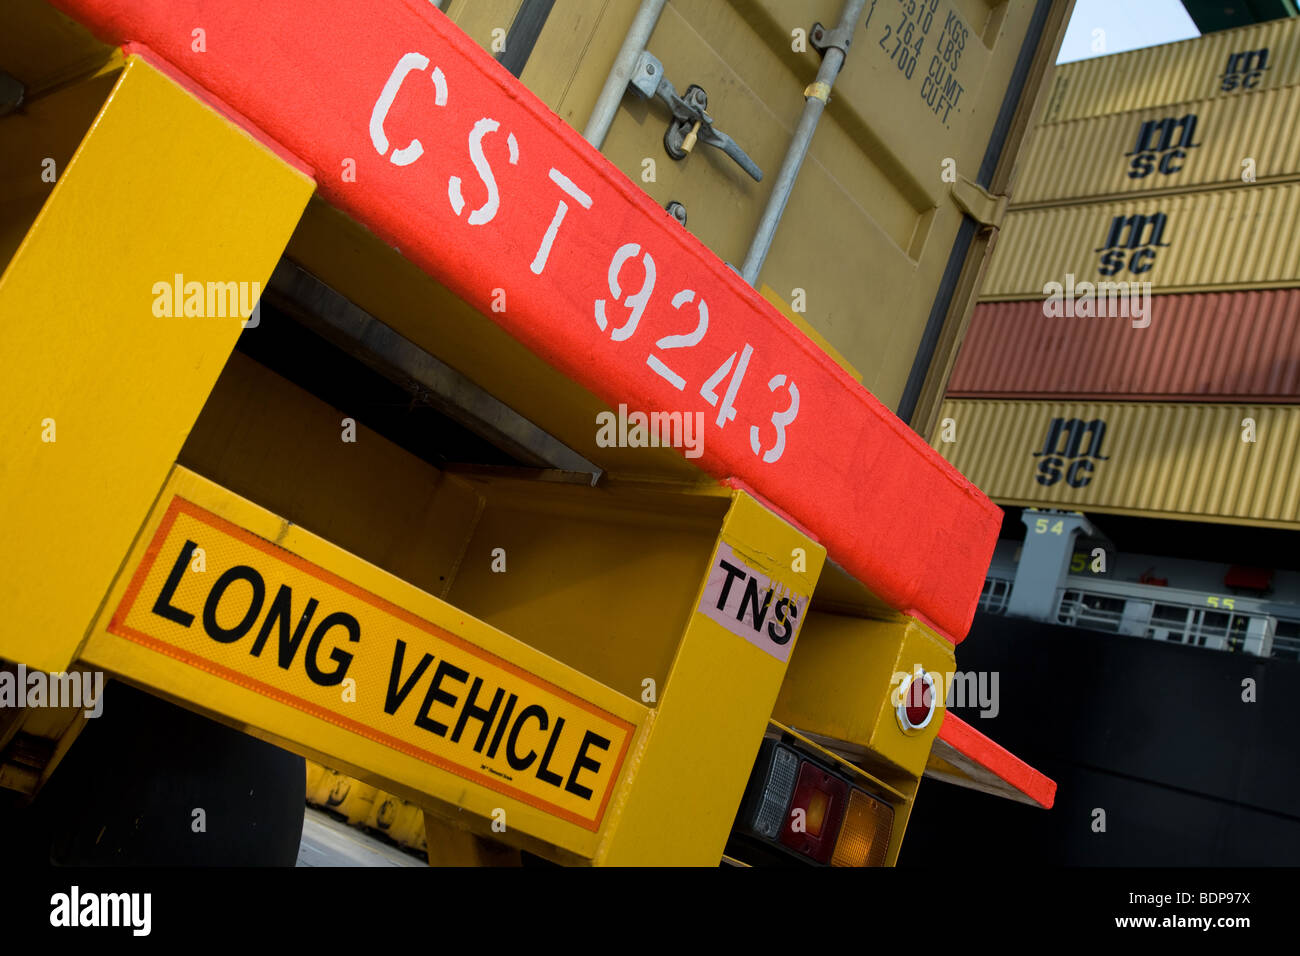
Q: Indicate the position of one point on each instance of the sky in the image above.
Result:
(1125, 25)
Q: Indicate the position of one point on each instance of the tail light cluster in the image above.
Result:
(800, 808)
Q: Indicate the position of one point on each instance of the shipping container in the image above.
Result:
(1228, 63)
(1223, 239)
(1217, 463)
(872, 220)
(1214, 346)
(1205, 143)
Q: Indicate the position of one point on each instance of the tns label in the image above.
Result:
(751, 605)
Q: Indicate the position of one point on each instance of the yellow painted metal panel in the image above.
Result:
(1196, 69)
(450, 846)
(275, 444)
(162, 186)
(1199, 144)
(601, 579)
(36, 144)
(42, 48)
(843, 680)
(194, 635)
(1222, 239)
(1162, 460)
(712, 714)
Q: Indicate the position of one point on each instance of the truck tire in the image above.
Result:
(148, 783)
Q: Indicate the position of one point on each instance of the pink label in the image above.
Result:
(751, 605)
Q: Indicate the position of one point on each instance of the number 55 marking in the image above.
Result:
(779, 421)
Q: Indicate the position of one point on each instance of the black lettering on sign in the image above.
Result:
(484, 715)
(163, 606)
(293, 614)
(496, 719)
(762, 611)
(512, 755)
(228, 635)
(501, 727)
(281, 607)
(437, 695)
(732, 573)
(783, 615)
(544, 773)
(396, 695)
(224, 600)
(750, 603)
(341, 658)
(583, 762)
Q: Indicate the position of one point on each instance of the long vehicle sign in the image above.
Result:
(454, 162)
(227, 604)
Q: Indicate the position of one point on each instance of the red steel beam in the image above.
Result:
(467, 173)
(1011, 775)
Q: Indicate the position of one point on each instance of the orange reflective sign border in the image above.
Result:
(216, 597)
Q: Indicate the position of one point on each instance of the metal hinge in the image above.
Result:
(690, 120)
(978, 203)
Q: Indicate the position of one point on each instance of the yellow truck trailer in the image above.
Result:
(503, 403)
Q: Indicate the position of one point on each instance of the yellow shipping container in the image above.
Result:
(1219, 463)
(1216, 240)
(1206, 143)
(1263, 56)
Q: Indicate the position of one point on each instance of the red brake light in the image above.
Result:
(813, 820)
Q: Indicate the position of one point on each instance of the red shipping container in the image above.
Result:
(1213, 346)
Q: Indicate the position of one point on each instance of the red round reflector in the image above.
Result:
(916, 709)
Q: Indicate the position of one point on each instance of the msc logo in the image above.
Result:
(1244, 70)
(1157, 147)
(1131, 243)
(1061, 455)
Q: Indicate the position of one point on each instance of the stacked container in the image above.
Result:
(1081, 386)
